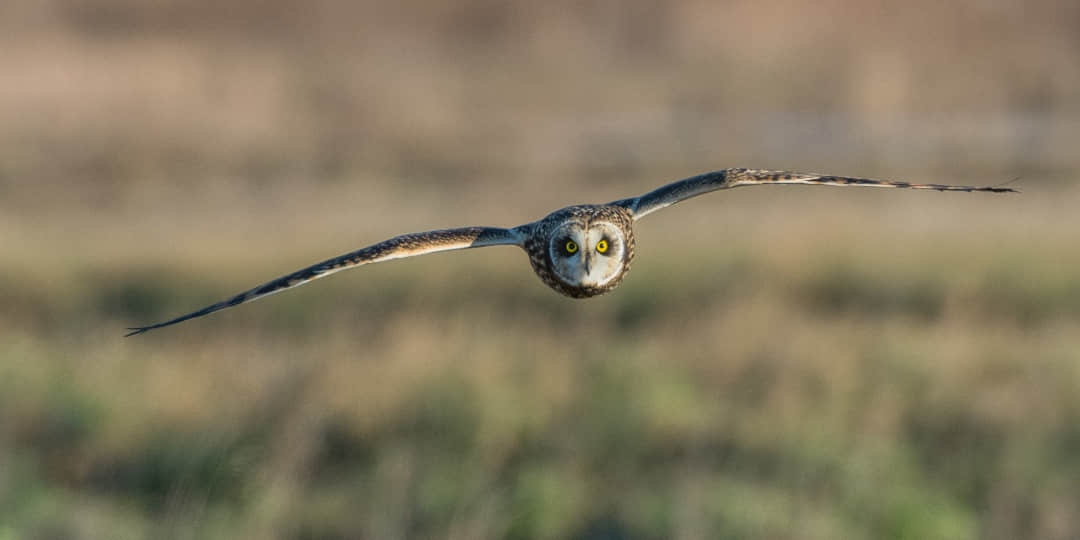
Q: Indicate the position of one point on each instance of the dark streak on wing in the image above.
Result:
(729, 178)
(406, 245)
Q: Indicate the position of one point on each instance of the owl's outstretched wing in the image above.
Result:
(407, 245)
(729, 178)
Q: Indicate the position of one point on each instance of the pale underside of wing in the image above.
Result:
(729, 178)
(408, 245)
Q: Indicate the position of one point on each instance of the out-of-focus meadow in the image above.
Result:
(787, 362)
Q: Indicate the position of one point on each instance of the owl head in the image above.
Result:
(585, 251)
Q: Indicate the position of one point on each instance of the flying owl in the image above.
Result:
(580, 251)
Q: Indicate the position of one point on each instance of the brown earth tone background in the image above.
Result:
(790, 362)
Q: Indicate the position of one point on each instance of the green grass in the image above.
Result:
(738, 396)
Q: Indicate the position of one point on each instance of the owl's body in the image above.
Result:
(588, 271)
(580, 251)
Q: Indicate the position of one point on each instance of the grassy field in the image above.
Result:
(781, 362)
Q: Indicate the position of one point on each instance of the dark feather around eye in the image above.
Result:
(606, 243)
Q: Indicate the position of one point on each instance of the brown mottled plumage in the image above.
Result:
(580, 251)
(537, 240)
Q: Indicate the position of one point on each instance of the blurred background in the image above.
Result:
(792, 362)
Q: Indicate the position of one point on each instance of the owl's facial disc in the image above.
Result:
(590, 257)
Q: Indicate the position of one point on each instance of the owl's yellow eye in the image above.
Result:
(571, 246)
(602, 246)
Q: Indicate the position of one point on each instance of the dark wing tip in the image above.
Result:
(138, 330)
(944, 187)
(996, 190)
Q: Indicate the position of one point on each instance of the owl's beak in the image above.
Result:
(587, 263)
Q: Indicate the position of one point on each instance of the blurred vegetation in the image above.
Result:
(780, 363)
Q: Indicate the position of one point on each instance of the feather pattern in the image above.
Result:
(406, 245)
(729, 178)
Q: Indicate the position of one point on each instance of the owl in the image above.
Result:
(579, 251)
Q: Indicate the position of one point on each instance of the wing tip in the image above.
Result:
(136, 330)
(992, 189)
